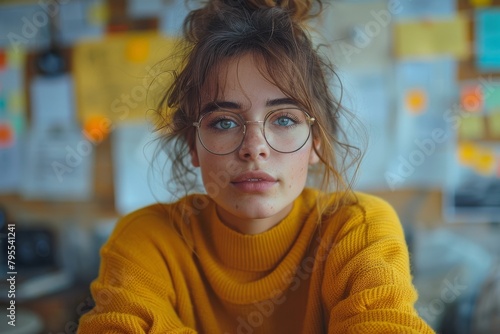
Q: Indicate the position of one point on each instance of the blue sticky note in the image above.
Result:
(488, 39)
(492, 96)
(425, 9)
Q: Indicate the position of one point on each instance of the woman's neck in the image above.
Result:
(252, 226)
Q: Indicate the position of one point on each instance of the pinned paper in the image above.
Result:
(494, 124)
(416, 101)
(472, 98)
(424, 8)
(114, 79)
(97, 13)
(359, 33)
(488, 39)
(480, 158)
(16, 57)
(3, 104)
(137, 50)
(16, 101)
(47, 111)
(472, 127)
(430, 38)
(481, 3)
(492, 97)
(485, 162)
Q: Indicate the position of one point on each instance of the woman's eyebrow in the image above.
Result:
(214, 105)
(281, 101)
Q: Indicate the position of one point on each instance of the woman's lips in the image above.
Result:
(254, 181)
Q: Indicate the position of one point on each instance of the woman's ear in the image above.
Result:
(313, 156)
(194, 157)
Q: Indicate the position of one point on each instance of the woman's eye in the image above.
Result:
(284, 121)
(225, 124)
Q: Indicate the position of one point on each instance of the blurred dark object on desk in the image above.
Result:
(33, 249)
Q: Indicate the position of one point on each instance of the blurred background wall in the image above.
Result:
(79, 81)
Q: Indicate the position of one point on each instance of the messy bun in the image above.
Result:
(198, 21)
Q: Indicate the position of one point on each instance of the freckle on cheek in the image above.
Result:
(236, 206)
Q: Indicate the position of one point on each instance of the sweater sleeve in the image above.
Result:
(133, 292)
(367, 287)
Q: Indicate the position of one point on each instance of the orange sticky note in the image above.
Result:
(472, 98)
(97, 128)
(137, 50)
(416, 101)
(3, 60)
(6, 135)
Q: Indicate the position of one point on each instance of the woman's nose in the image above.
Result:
(254, 144)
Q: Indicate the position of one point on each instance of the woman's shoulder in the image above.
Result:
(359, 204)
(363, 214)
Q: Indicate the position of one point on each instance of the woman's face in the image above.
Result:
(253, 187)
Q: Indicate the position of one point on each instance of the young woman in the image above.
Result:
(260, 252)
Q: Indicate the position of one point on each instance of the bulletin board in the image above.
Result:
(472, 193)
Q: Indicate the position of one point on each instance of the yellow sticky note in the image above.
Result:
(481, 3)
(472, 127)
(137, 50)
(494, 124)
(416, 101)
(111, 80)
(434, 37)
(466, 153)
(16, 57)
(16, 102)
(485, 162)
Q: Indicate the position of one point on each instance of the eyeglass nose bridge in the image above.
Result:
(252, 122)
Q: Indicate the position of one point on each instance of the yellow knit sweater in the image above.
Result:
(162, 273)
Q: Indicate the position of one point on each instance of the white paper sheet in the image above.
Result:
(369, 96)
(424, 138)
(135, 185)
(58, 165)
(52, 102)
(359, 34)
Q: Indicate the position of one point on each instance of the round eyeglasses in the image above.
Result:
(286, 130)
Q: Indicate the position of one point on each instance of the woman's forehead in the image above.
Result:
(244, 77)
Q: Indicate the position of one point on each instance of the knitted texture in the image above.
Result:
(163, 271)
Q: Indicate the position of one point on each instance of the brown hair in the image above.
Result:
(274, 31)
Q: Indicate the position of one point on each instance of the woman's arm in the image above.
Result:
(134, 292)
(130, 300)
(367, 287)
